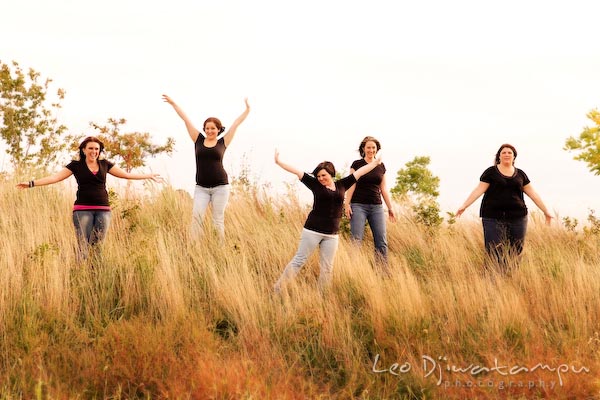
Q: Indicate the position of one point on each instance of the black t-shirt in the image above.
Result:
(327, 206)
(504, 198)
(91, 189)
(368, 188)
(209, 163)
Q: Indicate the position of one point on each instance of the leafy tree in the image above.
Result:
(29, 126)
(427, 212)
(130, 149)
(416, 179)
(588, 143)
(416, 185)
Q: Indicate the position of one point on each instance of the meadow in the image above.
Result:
(159, 315)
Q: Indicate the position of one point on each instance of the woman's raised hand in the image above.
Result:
(167, 99)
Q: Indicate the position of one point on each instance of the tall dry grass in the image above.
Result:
(162, 315)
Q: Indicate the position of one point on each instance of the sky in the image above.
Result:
(448, 80)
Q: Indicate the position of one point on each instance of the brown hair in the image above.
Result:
(89, 139)
(510, 146)
(361, 148)
(327, 166)
(215, 121)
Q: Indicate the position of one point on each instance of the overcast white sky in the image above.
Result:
(451, 80)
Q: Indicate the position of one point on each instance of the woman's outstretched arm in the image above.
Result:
(228, 137)
(120, 173)
(192, 131)
(48, 180)
(533, 195)
(475, 194)
(287, 167)
(365, 169)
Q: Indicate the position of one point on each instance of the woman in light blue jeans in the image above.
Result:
(309, 241)
(218, 197)
(212, 183)
(323, 222)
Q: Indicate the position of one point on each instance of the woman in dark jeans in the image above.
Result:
(91, 211)
(363, 201)
(503, 211)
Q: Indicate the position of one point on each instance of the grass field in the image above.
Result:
(162, 316)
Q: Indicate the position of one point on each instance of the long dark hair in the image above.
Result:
(510, 146)
(87, 140)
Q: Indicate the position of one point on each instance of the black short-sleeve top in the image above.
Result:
(504, 197)
(209, 163)
(368, 188)
(326, 213)
(91, 188)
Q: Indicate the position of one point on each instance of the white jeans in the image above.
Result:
(217, 196)
(309, 241)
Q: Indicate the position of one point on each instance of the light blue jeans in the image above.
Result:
(218, 197)
(374, 214)
(90, 227)
(309, 241)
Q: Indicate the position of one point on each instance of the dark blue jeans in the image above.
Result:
(504, 239)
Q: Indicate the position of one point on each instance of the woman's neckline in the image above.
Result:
(505, 175)
(209, 147)
(91, 168)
